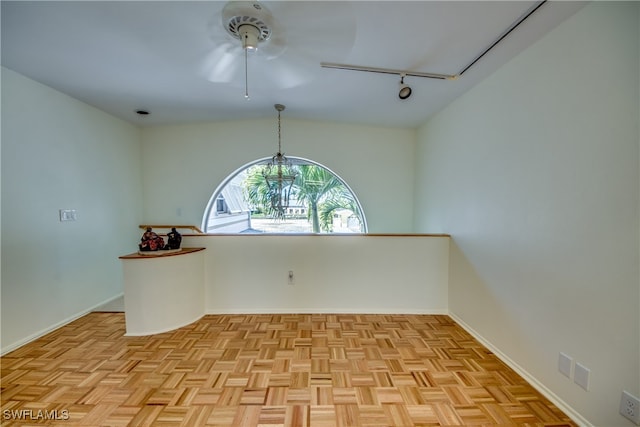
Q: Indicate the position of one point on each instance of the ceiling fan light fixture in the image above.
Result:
(250, 36)
(405, 90)
(237, 14)
(251, 23)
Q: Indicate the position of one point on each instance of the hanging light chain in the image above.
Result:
(279, 181)
(279, 134)
(246, 72)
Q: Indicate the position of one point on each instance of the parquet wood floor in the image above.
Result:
(315, 370)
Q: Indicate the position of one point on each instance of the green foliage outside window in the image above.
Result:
(317, 189)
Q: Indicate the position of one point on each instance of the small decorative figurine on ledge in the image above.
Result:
(150, 241)
(174, 239)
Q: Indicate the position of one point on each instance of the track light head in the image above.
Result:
(405, 90)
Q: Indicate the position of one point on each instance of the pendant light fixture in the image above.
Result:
(279, 175)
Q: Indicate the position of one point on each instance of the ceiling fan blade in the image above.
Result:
(302, 34)
(275, 46)
(223, 63)
(317, 27)
(286, 74)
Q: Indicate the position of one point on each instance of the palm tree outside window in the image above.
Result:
(321, 202)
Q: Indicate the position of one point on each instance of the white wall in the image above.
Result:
(184, 164)
(59, 153)
(332, 274)
(535, 175)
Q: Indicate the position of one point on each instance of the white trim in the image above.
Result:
(329, 311)
(43, 332)
(163, 330)
(562, 405)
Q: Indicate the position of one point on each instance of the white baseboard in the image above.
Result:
(113, 305)
(563, 406)
(52, 328)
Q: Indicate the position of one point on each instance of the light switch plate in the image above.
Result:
(68, 215)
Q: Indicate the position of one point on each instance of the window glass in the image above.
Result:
(316, 200)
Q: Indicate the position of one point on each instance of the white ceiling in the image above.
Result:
(156, 55)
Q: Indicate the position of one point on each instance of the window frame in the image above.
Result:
(212, 203)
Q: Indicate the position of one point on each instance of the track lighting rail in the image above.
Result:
(504, 34)
(434, 75)
(388, 71)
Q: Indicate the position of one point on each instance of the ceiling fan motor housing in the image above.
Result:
(247, 21)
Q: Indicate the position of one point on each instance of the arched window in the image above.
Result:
(320, 202)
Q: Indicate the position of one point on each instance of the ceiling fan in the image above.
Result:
(287, 40)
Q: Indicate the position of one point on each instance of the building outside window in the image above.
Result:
(320, 202)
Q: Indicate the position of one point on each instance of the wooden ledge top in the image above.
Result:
(160, 254)
(317, 235)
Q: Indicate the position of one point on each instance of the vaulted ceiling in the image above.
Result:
(175, 59)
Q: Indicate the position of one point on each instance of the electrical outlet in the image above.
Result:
(564, 364)
(581, 376)
(630, 407)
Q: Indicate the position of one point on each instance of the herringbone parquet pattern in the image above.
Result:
(268, 370)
